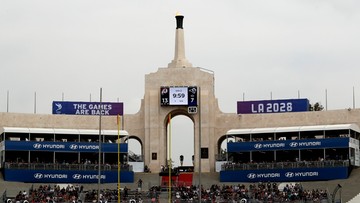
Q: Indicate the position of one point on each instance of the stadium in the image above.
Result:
(81, 149)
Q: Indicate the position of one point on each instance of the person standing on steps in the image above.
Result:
(140, 184)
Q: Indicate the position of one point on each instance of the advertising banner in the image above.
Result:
(284, 175)
(272, 106)
(88, 108)
(64, 146)
(64, 176)
(288, 144)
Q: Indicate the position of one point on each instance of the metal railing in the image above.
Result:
(4, 197)
(56, 166)
(284, 165)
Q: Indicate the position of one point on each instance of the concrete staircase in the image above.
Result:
(349, 187)
(356, 199)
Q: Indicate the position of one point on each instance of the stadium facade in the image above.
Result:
(149, 127)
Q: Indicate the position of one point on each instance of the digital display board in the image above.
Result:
(87, 108)
(272, 106)
(178, 96)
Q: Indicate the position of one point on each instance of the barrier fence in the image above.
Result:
(56, 166)
(285, 165)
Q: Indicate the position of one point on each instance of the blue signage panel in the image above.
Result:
(62, 176)
(88, 108)
(284, 175)
(288, 145)
(64, 146)
(272, 106)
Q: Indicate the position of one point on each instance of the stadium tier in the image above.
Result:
(286, 154)
(64, 155)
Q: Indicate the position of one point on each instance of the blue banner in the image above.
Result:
(64, 146)
(272, 106)
(284, 175)
(288, 145)
(88, 108)
(62, 176)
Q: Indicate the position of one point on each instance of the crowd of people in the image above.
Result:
(48, 194)
(261, 192)
(253, 193)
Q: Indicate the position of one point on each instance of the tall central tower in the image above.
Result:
(179, 60)
(178, 73)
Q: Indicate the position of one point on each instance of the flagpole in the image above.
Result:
(99, 158)
(7, 102)
(169, 161)
(119, 165)
(199, 111)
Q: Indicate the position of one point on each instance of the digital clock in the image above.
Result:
(178, 96)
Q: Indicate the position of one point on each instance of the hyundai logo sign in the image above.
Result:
(258, 146)
(293, 144)
(289, 174)
(38, 175)
(251, 175)
(77, 176)
(37, 146)
(74, 146)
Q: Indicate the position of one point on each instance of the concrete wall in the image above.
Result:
(150, 124)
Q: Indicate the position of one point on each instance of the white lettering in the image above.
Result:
(261, 108)
(93, 176)
(97, 112)
(53, 146)
(82, 112)
(88, 147)
(282, 107)
(79, 106)
(252, 109)
(309, 144)
(306, 174)
(268, 175)
(107, 107)
(276, 107)
(273, 145)
(55, 176)
(268, 108)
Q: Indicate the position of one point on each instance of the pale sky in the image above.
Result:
(256, 48)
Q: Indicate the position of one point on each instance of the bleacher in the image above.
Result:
(348, 191)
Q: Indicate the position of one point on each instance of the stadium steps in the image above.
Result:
(356, 199)
(13, 188)
(149, 180)
(350, 187)
(207, 179)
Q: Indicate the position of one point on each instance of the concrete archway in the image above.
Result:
(182, 139)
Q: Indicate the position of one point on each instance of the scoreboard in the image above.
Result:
(178, 96)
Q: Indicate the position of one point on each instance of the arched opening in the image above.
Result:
(135, 149)
(222, 153)
(181, 134)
